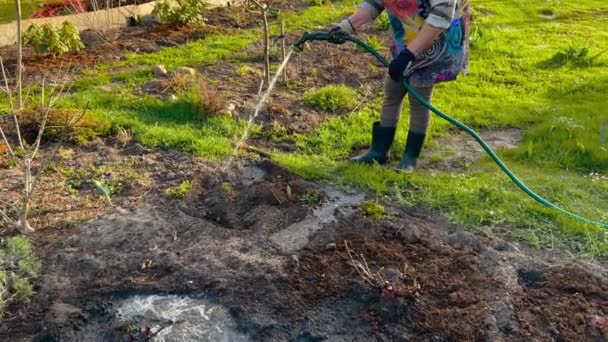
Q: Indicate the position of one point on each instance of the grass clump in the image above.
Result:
(331, 98)
(373, 210)
(19, 268)
(179, 191)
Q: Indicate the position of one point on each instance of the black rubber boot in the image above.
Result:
(382, 139)
(414, 144)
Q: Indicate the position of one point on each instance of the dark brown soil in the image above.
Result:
(441, 283)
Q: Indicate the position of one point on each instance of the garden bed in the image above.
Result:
(221, 250)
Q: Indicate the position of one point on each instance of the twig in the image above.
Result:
(367, 93)
(284, 49)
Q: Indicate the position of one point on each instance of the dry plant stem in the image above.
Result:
(362, 270)
(249, 148)
(29, 154)
(99, 17)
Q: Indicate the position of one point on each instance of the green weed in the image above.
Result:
(375, 43)
(383, 23)
(19, 268)
(372, 209)
(312, 198)
(179, 191)
(573, 56)
(183, 12)
(228, 190)
(331, 98)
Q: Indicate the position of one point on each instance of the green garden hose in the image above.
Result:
(341, 37)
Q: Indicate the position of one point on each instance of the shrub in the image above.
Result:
(19, 268)
(81, 128)
(183, 13)
(319, 2)
(210, 101)
(331, 98)
(48, 39)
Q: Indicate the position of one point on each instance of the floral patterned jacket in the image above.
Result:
(449, 55)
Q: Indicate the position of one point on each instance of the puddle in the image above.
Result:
(296, 236)
(180, 318)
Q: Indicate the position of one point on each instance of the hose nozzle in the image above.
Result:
(298, 46)
(335, 38)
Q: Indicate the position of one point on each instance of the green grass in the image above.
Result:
(524, 73)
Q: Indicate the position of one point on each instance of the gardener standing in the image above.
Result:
(430, 45)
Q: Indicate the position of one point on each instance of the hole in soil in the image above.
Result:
(177, 318)
(530, 277)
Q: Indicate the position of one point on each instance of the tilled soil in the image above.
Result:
(411, 277)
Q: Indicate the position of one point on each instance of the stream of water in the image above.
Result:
(257, 111)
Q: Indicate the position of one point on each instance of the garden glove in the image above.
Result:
(400, 64)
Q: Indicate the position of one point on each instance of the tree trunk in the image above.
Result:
(266, 47)
(27, 195)
(19, 56)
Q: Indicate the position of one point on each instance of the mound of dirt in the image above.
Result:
(215, 266)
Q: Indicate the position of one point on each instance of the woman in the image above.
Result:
(430, 45)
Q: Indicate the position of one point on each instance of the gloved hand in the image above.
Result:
(333, 35)
(398, 65)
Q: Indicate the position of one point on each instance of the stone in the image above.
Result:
(160, 71)
(409, 234)
(136, 149)
(330, 246)
(294, 261)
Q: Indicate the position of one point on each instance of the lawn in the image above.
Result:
(7, 9)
